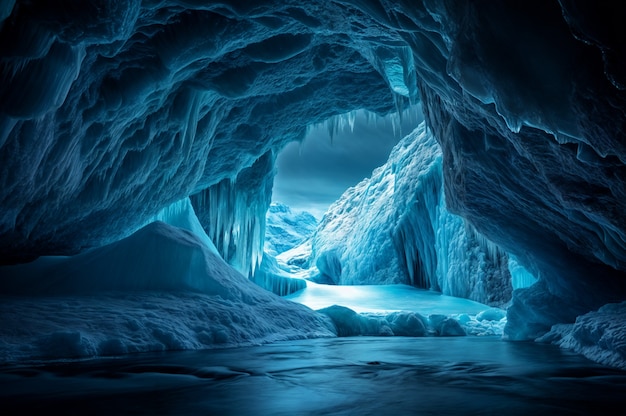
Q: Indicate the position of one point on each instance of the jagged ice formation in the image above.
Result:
(394, 228)
(286, 229)
(233, 214)
(111, 111)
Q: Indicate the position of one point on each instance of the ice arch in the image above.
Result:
(110, 111)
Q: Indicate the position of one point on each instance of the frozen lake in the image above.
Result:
(341, 376)
(384, 299)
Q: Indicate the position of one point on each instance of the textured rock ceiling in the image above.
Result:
(111, 110)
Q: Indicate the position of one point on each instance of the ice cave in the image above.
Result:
(478, 266)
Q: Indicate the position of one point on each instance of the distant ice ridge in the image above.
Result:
(394, 228)
(286, 229)
(599, 335)
(158, 289)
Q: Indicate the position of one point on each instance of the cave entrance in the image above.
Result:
(385, 255)
(313, 174)
(336, 155)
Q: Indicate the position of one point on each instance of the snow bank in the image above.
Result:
(159, 289)
(62, 327)
(599, 336)
(349, 323)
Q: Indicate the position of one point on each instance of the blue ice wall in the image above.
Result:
(394, 228)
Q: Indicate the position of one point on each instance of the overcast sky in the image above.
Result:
(313, 174)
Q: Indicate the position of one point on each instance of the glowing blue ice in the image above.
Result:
(394, 228)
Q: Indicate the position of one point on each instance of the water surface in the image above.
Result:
(341, 376)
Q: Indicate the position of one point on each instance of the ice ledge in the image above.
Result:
(599, 335)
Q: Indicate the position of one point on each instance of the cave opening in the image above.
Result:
(335, 155)
(395, 205)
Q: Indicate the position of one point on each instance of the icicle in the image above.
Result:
(233, 214)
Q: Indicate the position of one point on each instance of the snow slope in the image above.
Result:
(158, 289)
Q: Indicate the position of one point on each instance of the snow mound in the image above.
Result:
(599, 335)
(348, 323)
(156, 257)
(158, 289)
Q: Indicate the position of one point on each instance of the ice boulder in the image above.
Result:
(410, 324)
(491, 314)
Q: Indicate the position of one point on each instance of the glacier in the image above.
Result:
(112, 111)
(286, 229)
(394, 228)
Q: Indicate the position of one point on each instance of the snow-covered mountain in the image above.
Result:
(286, 229)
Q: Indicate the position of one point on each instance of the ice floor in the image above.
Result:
(384, 299)
(338, 376)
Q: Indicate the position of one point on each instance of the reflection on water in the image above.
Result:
(342, 376)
